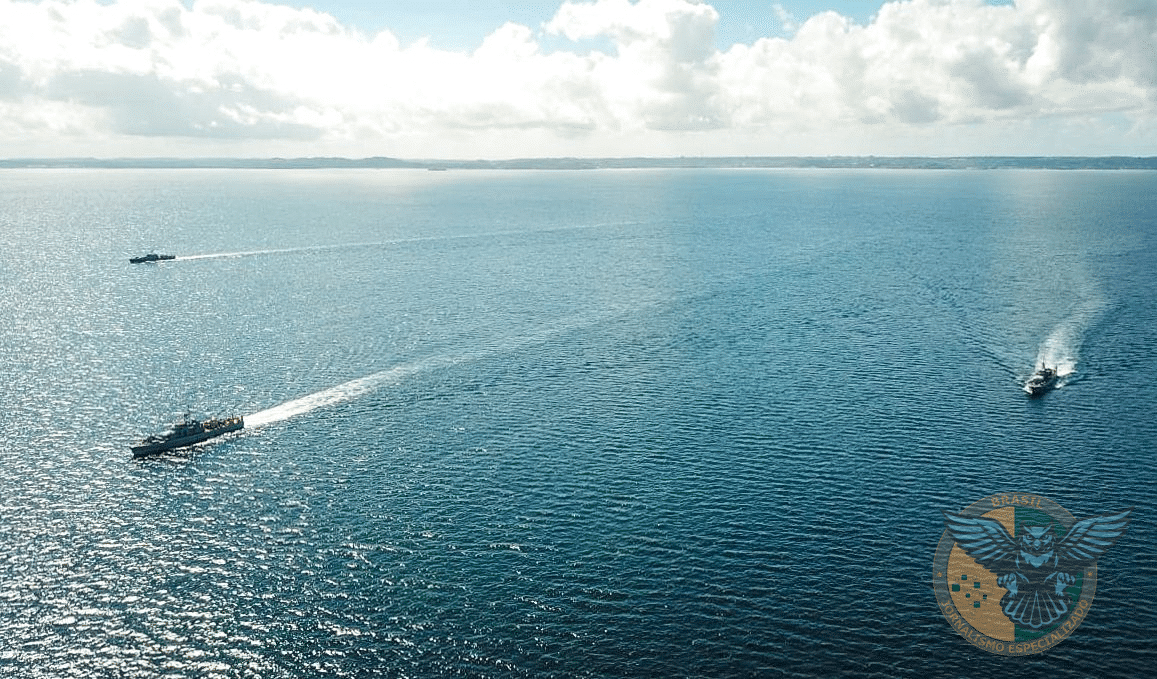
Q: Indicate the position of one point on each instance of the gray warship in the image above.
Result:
(186, 433)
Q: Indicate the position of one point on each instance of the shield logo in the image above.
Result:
(1015, 573)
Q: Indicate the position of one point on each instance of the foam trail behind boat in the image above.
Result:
(254, 253)
(399, 241)
(1063, 345)
(342, 392)
(364, 385)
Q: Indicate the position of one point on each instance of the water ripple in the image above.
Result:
(697, 424)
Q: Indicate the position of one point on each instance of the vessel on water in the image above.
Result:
(186, 433)
(151, 257)
(1042, 380)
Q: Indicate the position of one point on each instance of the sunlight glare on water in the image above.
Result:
(558, 424)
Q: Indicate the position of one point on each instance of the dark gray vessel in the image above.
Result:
(152, 257)
(1041, 381)
(186, 433)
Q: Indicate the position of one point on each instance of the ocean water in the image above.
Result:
(613, 423)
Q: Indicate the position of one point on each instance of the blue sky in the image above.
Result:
(457, 79)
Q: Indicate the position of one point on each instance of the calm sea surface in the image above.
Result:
(695, 423)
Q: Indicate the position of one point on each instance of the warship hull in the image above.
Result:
(187, 433)
(151, 258)
(1041, 381)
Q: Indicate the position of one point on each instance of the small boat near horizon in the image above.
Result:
(1042, 380)
(151, 257)
(187, 432)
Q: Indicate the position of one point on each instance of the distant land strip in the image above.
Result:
(731, 162)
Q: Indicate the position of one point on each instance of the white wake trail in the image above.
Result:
(397, 241)
(1062, 348)
(278, 251)
(364, 385)
(342, 392)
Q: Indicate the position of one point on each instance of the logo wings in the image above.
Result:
(1035, 569)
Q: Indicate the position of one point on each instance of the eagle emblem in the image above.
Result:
(1036, 566)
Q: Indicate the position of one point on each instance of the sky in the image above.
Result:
(467, 79)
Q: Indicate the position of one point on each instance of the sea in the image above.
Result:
(578, 423)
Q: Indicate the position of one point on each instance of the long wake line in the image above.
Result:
(361, 386)
(253, 253)
(342, 392)
(1062, 347)
(400, 241)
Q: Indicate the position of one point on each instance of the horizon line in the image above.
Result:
(608, 162)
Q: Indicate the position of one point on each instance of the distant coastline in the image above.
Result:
(728, 162)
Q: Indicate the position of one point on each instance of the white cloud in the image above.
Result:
(926, 76)
(664, 74)
(786, 19)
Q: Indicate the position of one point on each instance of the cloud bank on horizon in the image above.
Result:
(600, 78)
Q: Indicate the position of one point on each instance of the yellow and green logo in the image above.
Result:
(1015, 573)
